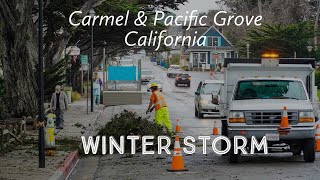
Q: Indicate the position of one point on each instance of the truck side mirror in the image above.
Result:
(215, 99)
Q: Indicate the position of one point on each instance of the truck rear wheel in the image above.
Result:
(309, 153)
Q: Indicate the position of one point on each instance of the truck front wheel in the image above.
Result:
(233, 158)
(224, 132)
(309, 153)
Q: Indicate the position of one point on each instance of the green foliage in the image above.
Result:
(75, 96)
(175, 59)
(129, 123)
(283, 39)
(317, 79)
(56, 17)
(186, 68)
(53, 75)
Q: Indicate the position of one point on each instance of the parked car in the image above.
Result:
(126, 62)
(183, 79)
(203, 97)
(146, 75)
(173, 70)
(159, 83)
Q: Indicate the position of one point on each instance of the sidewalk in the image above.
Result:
(22, 161)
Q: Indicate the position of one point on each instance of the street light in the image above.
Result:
(215, 59)
(92, 14)
(248, 46)
(309, 49)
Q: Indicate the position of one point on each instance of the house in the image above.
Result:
(216, 48)
(196, 30)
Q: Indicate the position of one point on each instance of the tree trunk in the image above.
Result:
(18, 53)
(316, 25)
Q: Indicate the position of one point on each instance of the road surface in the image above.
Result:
(201, 166)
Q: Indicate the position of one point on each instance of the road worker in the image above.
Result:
(162, 114)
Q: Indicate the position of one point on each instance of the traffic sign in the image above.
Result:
(85, 67)
(84, 59)
(73, 51)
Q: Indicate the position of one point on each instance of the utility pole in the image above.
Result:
(248, 50)
(41, 89)
(104, 65)
(215, 59)
(92, 13)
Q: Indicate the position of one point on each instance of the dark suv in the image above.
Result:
(183, 79)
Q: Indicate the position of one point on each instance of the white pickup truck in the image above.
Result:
(254, 95)
(173, 70)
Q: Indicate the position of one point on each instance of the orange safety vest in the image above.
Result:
(159, 102)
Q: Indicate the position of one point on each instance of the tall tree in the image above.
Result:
(283, 39)
(18, 46)
(18, 54)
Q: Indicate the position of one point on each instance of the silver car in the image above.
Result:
(203, 97)
(146, 75)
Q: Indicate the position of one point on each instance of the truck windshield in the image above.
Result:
(270, 89)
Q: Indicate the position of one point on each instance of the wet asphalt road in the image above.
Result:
(180, 101)
(201, 166)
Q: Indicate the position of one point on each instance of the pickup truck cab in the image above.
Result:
(254, 96)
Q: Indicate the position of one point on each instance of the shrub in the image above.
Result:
(129, 123)
(317, 79)
(75, 96)
(186, 68)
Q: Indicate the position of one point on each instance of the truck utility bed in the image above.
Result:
(311, 61)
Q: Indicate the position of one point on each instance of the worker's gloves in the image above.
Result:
(150, 110)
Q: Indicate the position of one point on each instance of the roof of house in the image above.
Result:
(213, 31)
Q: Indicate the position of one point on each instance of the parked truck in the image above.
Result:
(254, 95)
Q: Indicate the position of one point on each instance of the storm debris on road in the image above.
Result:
(129, 123)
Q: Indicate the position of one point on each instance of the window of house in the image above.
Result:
(212, 41)
(195, 58)
(203, 58)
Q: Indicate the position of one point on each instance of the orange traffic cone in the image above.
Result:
(211, 72)
(215, 130)
(317, 135)
(177, 159)
(178, 128)
(284, 127)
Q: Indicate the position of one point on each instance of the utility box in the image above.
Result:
(113, 98)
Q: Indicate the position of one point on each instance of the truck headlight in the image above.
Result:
(306, 116)
(236, 117)
(204, 101)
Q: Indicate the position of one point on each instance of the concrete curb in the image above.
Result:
(67, 167)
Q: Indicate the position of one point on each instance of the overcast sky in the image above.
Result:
(200, 5)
